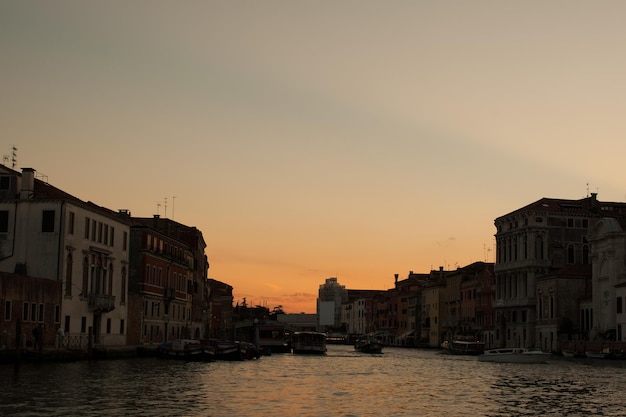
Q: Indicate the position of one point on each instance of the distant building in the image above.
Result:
(221, 308)
(331, 296)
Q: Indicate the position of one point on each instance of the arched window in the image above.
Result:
(68, 275)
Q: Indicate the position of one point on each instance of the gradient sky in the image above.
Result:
(316, 139)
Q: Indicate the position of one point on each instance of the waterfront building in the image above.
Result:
(49, 234)
(30, 305)
(159, 299)
(559, 295)
(484, 304)
(608, 254)
(434, 311)
(221, 308)
(409, 296)
(532, 242)
(196, 281)
(331, 295)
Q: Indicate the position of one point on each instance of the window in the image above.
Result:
(5, 182)
(108, 326)
(4, 221)
(33, 312)
(112, 236)
(570, 254)
(124, 240)
(110, 289)
(105, 237)
(57, 313)
(100, 227)
(85, 276)
(619, 305)
(66, 327)
(93, 230)
(40, 318)
(68, 276)
(70, 223)
(47, 221)
(123, 293)
(25, 312)
(122, 326)
(7, 310)
(83, 324)
(87, 222)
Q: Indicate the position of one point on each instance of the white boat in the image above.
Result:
(514, 355)
(463, 345)
(308, 342)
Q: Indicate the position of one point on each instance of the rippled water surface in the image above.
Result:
(400, 382)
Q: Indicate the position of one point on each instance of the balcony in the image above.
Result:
(169, 294)
(101, 303)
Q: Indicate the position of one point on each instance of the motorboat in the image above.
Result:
(464, 345)
(308, 342)
(185, 349)
(515, 355)
(368, 344)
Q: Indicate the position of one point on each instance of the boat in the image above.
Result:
(272, 339)
(368, 344)
(464, 345)
(185, 349)
(514, 355)
(227, 350)
(308, 342)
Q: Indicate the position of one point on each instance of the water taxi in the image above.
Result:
(515, 355)
(308, 342)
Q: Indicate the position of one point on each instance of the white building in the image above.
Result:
(331, 296)
(47, 233)
(608, 254)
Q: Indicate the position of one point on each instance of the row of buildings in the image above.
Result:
(76, 273)
(559, 276)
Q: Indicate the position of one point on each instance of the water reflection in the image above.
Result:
(343, 383)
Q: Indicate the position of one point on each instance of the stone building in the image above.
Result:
(47, 233)
(532, 242)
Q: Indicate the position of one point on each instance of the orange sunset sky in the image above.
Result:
(316, 139)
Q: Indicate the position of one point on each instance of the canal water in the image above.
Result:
(399, 382)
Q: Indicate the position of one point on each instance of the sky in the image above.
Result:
(317, 139)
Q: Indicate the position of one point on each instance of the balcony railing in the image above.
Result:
(102, 303)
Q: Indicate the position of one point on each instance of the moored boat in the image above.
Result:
(226, 350)
(185, 349)
(514, 355)
(462, 345)
(308, 342)
(368, 344)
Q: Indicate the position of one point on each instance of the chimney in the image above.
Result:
(28, 183)
(395, 276)
(156, 221)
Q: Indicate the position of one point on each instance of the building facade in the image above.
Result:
(531, 242)
(50, 234)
